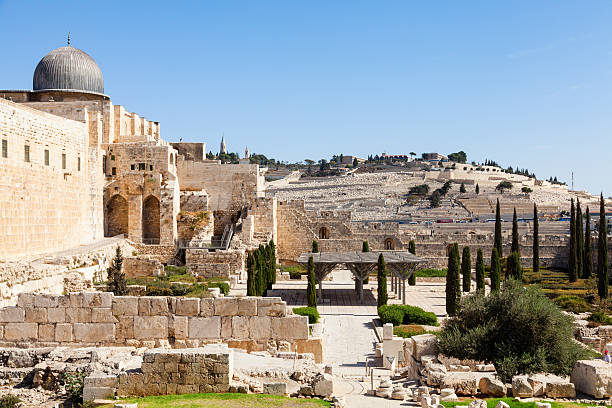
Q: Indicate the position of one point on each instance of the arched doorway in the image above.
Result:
(389, 244)
(323, 233)
(150, 220)
(116, 216)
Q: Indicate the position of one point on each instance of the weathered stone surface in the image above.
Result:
(46, 332)
(323, 385)
(502, 404)
(150, 327)
(226, 306)
(240, 327)
(491, 387)
(290, 327)
(278, 388)
(462, 383)
(20, 331)
(36, 315)
(125, 305)
(388, 331)
(94, 332)
(179, 327)
(226, 327)
(188, 306)
(46, 301)
(593, 377)
(207, 307)
(96, 299)
(478, 404)
(521, 387)
(78, 315)
(63, 332)
(560, 390)
(247, 306)
(435, 373)
(260, 328)
(12, 315)
(56, 315)
(273, 307)
(102, 315)
(424, 344)
(205, 327)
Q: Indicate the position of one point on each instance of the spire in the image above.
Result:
(69, 38)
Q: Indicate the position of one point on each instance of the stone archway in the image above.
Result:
(323, 233)
(150, 220)
(389, 244)
(116, 215)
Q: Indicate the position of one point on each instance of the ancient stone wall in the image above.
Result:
(99, 318)
(191, 151)
(218, 264)
(44, 188)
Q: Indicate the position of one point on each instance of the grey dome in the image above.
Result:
(68, 68)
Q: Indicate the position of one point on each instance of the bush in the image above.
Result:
(518, 329)
(572, 303)
(74, 385)
(408, 330)
(9, 401)
(198, 290)
(600, 317)
(311, 312)
(224, 286)
(430, 273)
(158, 291)
(406, 314)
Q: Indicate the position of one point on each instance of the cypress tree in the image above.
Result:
(497, 243)
(514, 269)
(315, 246)
(117, 282)
(477, 189)
(311, 290)
(453, 287)
(462, 188)
(602, 253)
(382, 281)
(495, 271)
(412, 250)
(272, 260)
(466, 269)
(515, 234)
(365, 247)
(251, 287)
(579, 239)
(259, 272)
(587, 258)
(536, 240)
(480, 272)
(571, 262)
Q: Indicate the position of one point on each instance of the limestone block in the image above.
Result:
(97, 299)
(188, 307)
(56, 315)
(124, 329)
(12, 315)
(260, 328)
(36, 315)
(25, 300)
(240, 327)
(125, 305)
(76, 299)
(593, 377)
(94, 393)
(45, 301)
(179, 327)
(226, 327)
(435, 374)
(462, 383)
(323, 385)
(247, 306)
(278, 388)
(502, 404)
(102, 315)
(205, 327)
(21, 331)
(150, 327)
(424, 344)
(558, 389)
(491, 387)
(290, 327)
(226, 306)
(99, 379)
(207, 307)
(478, 404)
(63, 332)
(388, 331)
(273, 307)
(94, 332)
(46, 332)
(521, 387)
(78, 315)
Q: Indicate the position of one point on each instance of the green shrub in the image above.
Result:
(410, 330)
(175, 270)
(158, 291)
(311, 312)
(74, 384)
(571, 303)
(518, 329)
(9, 401)
(391, 314)
(600, 317)
(186, 278)
(179, 290)
(224, 286)
(430, 273)
(198, 290)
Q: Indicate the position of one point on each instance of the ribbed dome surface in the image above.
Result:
(68, 68)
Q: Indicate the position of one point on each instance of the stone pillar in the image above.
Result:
(404, 291)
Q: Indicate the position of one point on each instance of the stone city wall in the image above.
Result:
(218, 264)
(137, 266)
(44, 207)
(101, 319)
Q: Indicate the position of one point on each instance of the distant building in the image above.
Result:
(434, 157)
(396, 157)
(223, 147)
(351, 159)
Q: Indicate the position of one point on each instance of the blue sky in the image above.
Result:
(524, 83)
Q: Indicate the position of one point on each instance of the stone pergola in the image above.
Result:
(401, 264)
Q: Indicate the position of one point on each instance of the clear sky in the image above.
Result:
(525, 83)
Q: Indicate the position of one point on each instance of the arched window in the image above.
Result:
(389, 244)
(323, 233)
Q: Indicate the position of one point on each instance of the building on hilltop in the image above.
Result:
(222, 147)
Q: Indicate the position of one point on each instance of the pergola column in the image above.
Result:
(321, 271)
(360, 271)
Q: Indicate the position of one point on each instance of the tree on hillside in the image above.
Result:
(434, 199)
(536, 240)
(459, 157)
(462, 188)
(571, 261)
(412, 250)
(480, 272)
(503, 185)
(477, 189)
(311, 290)
(116, 276)
(526, 190)
(382, 281)
(315, 246)
(602, 252)
(495, 271)
(579, 239)
(497, 242)
(466, 269)
(515, 234)
(355, 163)
(453, 286)
(514, 269)
(421, 190)
(587, 258)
